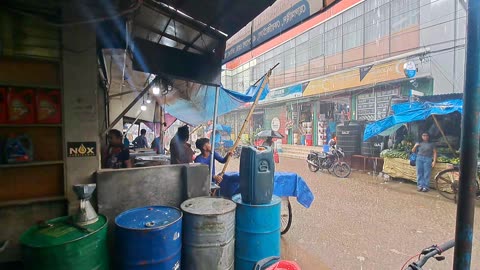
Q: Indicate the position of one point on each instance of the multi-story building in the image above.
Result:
(348, 62)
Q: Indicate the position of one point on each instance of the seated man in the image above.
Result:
(141, 141)
(204, 146)
(116, 155)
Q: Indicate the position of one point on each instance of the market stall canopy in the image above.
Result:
(269, 133)
(224, 128)
(410, 112)
(172, 38)
(194, 103)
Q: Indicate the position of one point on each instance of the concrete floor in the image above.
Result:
(365, 223)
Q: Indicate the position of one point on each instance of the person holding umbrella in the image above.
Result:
(270, 134)
(268, 142)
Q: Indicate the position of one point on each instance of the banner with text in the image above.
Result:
(281, 16)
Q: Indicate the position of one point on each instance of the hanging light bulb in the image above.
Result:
(149, 100)
(156, 90)
(143, 107)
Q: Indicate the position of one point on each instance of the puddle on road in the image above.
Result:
(306, 260)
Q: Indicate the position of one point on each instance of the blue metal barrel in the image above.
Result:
(257, 232)
(148, 238)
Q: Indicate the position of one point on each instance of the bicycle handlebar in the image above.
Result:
(431, 252)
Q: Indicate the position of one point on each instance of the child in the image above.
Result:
(204, 146)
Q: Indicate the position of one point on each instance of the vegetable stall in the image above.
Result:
(410, 119)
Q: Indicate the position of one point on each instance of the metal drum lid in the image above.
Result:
(206, 206)
(146, 218)
(59, 231)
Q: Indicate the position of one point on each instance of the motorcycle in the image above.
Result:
(331, 161)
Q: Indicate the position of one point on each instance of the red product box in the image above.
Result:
(20, 106)
(48, 107)
(3, 105)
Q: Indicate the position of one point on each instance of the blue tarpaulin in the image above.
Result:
(410, 112)
(198, 106)
(285, 184)
(225, 128)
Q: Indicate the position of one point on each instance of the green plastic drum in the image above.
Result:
(60, 245)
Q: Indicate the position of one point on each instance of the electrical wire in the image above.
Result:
(132, 8)
(405, 264)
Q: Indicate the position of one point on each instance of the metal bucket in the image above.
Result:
(57, 244)
(208, 233)
(257, 231)
(148, 238)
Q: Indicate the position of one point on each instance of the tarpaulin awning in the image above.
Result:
(410, 112)
(218, 127)
(197, 107)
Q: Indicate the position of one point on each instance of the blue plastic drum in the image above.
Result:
(148, 238)
(257, 231)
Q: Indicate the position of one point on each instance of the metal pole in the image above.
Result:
(137, 98)
(214, 128)
(249, 115)
(469, 142)
(134, 121)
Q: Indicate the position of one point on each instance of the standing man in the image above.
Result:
(180, 151)
(426, 158)
(141, 141)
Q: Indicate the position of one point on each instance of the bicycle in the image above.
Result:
(447, 183)
(428, 253)
(285, 215)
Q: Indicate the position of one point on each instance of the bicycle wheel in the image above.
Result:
(285, 215)
(342, 170)
(446, 183)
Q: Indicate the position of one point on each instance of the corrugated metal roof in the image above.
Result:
(442, 97)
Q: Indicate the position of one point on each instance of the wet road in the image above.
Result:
(365, 223)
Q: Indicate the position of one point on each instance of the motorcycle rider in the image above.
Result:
(333, 141)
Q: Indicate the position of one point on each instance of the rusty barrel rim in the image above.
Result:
(190, 206)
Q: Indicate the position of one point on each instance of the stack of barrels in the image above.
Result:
(152, 238)
(258, 210)
(206, 233)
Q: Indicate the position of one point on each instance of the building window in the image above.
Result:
(405, 13)
(301, 49)
(353, 27)
(290, 59)
(373, 4)
(377, 23)
(353, 33)
(333, 36)
(333, 41)
(316, 41)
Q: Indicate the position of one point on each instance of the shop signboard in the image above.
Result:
(351, 78)
(281, 16)
(410, 69)
(275, 124)
(81, 149)
(284, 93)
